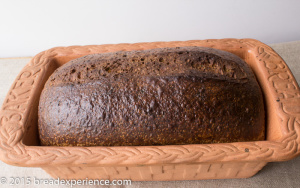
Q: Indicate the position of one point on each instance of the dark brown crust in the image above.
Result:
(186, 95)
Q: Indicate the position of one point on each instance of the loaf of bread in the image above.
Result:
(166, 96)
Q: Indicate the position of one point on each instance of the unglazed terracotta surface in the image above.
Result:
(19, 142)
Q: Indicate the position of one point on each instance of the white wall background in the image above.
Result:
(30, 26)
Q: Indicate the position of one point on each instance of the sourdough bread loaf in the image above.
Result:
(183, 95)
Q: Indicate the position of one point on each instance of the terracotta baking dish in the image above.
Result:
(19, 141)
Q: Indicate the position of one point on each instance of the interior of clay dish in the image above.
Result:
(273, 131)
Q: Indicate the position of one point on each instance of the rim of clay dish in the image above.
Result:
(278, 84)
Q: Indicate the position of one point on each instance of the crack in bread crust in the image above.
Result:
(156, 62)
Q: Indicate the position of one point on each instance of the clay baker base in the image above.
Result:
(161, 173)
(19, 144)
(279, 174)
